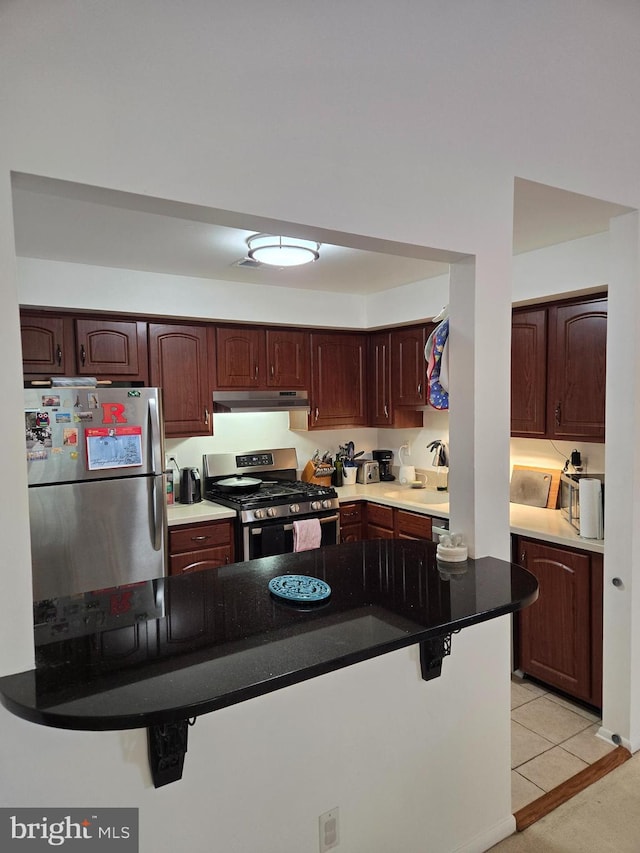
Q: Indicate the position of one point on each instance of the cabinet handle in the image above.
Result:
(226, 559)
(419, 389)
(206, 417)
(317, 413)
(558, 413)
(256, 372)
(273, 370)
(83, 354)
(386, 411)
(59, 355)
(523, 557)
(200, 538)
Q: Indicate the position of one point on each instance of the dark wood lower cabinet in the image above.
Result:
(380, 523)
(352, 518)
(193, 547)
(559, 638)
(368, 520)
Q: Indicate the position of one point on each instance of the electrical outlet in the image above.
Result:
(329, 830)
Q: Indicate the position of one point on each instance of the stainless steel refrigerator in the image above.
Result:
(95, 459)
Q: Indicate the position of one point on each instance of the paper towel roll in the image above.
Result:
(591, 522)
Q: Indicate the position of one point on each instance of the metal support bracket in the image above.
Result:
(167, 747)
(431, 654)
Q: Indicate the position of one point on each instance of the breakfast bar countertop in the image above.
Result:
(168, 650)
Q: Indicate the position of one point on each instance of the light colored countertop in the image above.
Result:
(536, 522)
(197, 513)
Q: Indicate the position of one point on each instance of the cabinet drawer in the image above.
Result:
(195, 561)
(193, 537)
(351, 513)
(412, 524)
(380, 516)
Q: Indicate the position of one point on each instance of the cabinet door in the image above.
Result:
(338, 376)
(577, 366)
(412, 525)
(47, 346)
(287, 358)
(195, 561)
(351, 518)
(179, 364)
(408, 366)
(555, 632)
(380, 379)
(240, 357)
(115, 348)
(529, 372)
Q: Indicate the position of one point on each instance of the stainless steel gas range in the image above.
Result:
(261, 486)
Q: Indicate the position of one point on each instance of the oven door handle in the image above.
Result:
(256, 531)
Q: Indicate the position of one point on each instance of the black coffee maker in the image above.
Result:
(385, 460)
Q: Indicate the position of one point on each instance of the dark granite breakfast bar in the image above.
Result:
(160, 653)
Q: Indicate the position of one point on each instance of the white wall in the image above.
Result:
(402, 121)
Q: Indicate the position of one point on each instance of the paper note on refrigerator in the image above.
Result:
(113, 447)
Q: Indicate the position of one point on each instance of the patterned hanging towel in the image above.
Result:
(438, 395)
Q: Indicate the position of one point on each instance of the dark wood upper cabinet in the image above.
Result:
(287, 358)
(338, 377)
(408, 366)
(47, 345)
(384, 408)
(577, 375)
(380, 379)
(111, 347)
(529, 372)
(240, 357)
(58, 345)
(251, 357)
(558, 366)
(180, 364)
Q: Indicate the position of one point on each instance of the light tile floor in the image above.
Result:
(551, 740)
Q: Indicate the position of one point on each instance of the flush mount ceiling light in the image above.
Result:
(282, 251)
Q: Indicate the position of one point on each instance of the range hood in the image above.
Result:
(260, 401)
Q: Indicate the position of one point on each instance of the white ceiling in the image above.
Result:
(58, 220)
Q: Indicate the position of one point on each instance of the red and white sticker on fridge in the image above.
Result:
(113, 447)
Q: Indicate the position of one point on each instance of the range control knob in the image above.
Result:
(259, 513)
(271, 512)
(316, 505)
(294, 508)
(326, 504)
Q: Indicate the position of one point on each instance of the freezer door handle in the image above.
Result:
(156, 436)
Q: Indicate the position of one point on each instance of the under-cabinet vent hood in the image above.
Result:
(260, 401)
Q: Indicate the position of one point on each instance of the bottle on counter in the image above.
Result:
(337, 477)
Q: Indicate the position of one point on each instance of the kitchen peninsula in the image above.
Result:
(208, 640)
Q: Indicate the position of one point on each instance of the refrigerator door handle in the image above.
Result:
(158, 511)
(156, 436)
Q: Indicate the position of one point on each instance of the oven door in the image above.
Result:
(269, 538)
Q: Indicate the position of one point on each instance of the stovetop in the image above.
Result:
(279, 496)
(276, 499)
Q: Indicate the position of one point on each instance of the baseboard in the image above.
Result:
(488, 839)
(552, 799)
